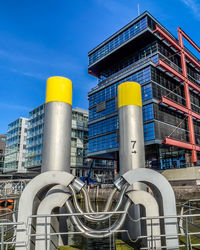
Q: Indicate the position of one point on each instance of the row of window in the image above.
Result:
(36, 140)
(141, 77)
(103, 142)
(15, 124)
(37, 111)
(117, 41)
(110, 106)
(35, 130)
(110, 141)
(36, 119)
(12, 141)
(112, 123)
(104, 126)
(129, 60)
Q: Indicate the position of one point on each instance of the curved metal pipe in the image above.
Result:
(88, 205)
(86, 230)
(108, 203)
(100, 217)
(89, 217)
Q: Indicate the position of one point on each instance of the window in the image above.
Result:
(104, 126)
(103, 142)
(147, 112)
(149, 132)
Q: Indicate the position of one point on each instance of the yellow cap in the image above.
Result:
(129, 93)
(59, 89)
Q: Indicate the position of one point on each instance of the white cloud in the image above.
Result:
(25, 73)
(14, 106)
(194, 7)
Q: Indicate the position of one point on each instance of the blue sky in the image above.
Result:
(39, 39)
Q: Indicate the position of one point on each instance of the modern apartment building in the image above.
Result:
(146, 52)
(16, 146)
(79, 140)
(2, 151)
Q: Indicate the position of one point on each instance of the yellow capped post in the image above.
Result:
(131, 149)
(57, 125)
(59, 89)
(129, 93)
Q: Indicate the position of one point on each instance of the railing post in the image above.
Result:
(186, 233)
(2, 237)
(45, 232)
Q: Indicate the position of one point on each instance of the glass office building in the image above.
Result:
(79, 140)
(16, 146)
(145, 52)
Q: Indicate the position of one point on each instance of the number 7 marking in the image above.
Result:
(133, 145)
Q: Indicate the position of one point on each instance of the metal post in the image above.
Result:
(131, 149)
(46, 232)
(2, 237)
(57, 125)
(186, 233)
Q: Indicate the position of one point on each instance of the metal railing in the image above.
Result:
(188, 228)
(189, 236)
(12, 187)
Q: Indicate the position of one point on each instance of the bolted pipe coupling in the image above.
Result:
(78, 184)
(119, 183)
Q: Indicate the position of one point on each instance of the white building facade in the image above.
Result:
(16, 146)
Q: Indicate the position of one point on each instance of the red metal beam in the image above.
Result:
(183, 77)
(167, 37)
(192, 60)
(195, 115)
(187, 96)
(181, 144)
(193, 85)
(180, 107)
(167, 67)
(173, 104)
(189, 39)
(176, 45)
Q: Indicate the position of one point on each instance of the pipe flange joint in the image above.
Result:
(78, 184)
(119, 183)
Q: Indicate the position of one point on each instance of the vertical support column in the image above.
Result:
(57, 125)
(187, 95)
(131, 151)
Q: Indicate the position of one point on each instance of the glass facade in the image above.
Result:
(103, 142)
(16, 146)
(131, 60)
(104, 126)
(118, 40)
(137, 61)
(35, 137)
(109, 92)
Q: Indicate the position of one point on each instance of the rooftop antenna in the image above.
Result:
(138, 9)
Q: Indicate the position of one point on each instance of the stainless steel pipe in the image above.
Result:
(57, 125)
(131, 150)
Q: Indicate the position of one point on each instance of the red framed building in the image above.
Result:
(146, 52)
